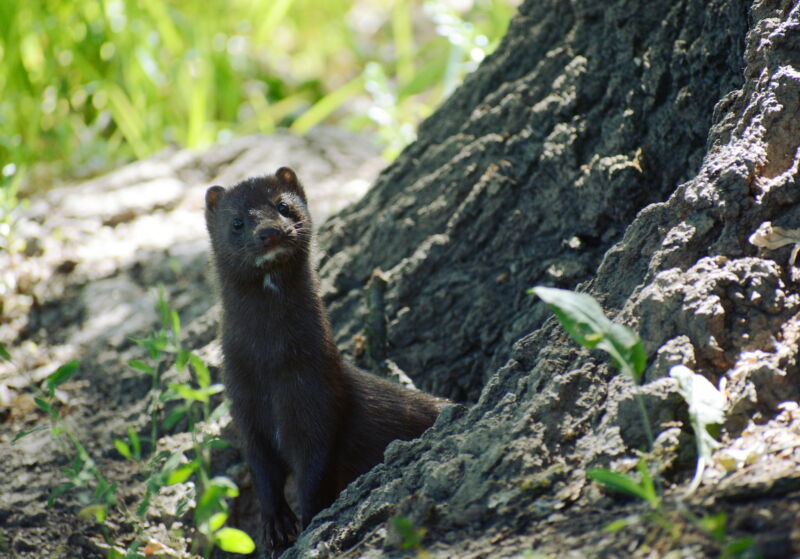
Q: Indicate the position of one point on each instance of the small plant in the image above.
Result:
(212, 513)
(159, 469)
(706, 409)
(716, 526)
(410, 535)
(584, 320)
(644, 489)
(166, 468)
(82, 472)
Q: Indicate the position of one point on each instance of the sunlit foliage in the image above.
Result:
(86, 84)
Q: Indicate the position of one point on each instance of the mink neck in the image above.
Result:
(291, 280)
(285, 304)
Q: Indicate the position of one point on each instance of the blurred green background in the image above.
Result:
(88, 84)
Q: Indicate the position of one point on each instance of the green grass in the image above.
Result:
(189, 402)
(87, 84)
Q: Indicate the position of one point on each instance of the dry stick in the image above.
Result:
(375, 330)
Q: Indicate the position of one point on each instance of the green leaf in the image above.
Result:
(225, 485)
(200, 371)
(181, 359)
(715, 525)
(214, 389)
(163, 307)
(217, 521)
(135, 442)
(216, 443)
(212, 499)
(173, 417)
(62, 374)
(168, 395)
(584, 320)
(183, 503)
(647, 484)
(189, 393)
(233, 540)
(219, 411)
(79, 448)
(323, 107)
(46, 407)
(58, 491)
(123, 449)
(99, 512)
(170, 465)
(4, 353)
(425, 77)
(619, 483)
(195, 394)
(25, 432)
(126, 117)
(706, 406)
(175, 323)
(739, 548)
(104, 493)
(154, 343)
(617, 525)
(142, 366)
(182, 473)
(411, 536)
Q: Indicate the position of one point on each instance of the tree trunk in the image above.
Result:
(615, 147)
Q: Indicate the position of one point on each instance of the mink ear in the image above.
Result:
(286, 176)
(213, 195)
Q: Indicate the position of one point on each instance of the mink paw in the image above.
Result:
(280, 532)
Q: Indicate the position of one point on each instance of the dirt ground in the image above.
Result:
(85, 287)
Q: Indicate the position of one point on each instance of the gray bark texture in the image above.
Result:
(629, 149)
(587, 113)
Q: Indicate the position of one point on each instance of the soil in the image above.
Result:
(628, 150)
(86, 285)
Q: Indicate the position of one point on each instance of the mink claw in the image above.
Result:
(280, 533)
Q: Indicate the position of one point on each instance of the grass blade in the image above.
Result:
(325, 106)
(617, 482)
(62, 375)
(123, 448)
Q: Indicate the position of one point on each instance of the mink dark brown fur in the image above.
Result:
(298, 407)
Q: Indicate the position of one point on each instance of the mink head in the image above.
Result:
(260, 225)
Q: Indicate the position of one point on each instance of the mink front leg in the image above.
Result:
(280, 523)
(316, 483)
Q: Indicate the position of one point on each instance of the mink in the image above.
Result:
(298, 407)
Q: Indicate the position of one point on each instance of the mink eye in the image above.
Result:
(283, 209)
(237, 224)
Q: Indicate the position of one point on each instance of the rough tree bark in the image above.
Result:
(629, 149)
(533, 169)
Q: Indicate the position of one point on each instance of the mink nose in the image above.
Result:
(269, 237)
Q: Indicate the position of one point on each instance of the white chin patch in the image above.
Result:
(269, 285)
(270, 256)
